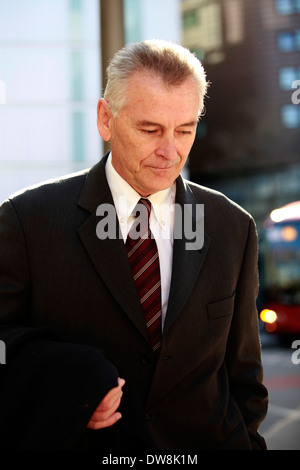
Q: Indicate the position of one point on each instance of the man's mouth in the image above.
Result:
(162, 168)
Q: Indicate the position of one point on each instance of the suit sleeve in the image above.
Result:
(48, 388)
(243, 357)
(14, 269)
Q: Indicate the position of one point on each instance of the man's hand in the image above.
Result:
(106, 413)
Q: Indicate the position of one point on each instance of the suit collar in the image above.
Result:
(95, 188)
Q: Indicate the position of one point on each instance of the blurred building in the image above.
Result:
(248, 142)
(51, 80)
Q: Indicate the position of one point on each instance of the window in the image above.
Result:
(200, 53)
(190, 19)
(297, 40)
(133, 20)
(287, 7)
(290, 115)
(286, 42)
(289, 41)
(287, 75)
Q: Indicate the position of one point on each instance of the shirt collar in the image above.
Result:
(162, 203)
(126, 198)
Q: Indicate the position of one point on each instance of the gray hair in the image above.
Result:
(172, 62)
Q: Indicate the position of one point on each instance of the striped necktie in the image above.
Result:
(143, 258)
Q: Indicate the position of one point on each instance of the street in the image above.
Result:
(281, 428)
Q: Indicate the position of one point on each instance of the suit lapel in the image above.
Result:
(186, 262)
(186, 267)
(109, 255)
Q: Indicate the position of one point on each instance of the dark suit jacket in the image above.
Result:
(205, 391)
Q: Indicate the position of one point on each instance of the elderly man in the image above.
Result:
(177, 324)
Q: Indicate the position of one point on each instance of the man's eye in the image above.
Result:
(149, 131)
(185, 132)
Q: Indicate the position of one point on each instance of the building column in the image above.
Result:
(112, 35)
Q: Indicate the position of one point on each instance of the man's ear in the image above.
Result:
(104, 116)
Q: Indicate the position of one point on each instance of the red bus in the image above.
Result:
(280, 270)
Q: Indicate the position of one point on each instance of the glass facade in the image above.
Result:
(291, 116)
(51, 69)
(287, 7)
(289, 41)
(287, 76)
(190, 19)
(148, 19)
(133, 20)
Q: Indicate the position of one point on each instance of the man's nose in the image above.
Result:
(167, 148)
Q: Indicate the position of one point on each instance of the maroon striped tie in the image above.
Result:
(143, 257)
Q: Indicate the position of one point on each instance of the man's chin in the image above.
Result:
(162, 179)
(157, 188)
(155, 181)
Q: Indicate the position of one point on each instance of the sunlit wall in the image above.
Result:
(50, 68)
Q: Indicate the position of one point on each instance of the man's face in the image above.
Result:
(152, 135)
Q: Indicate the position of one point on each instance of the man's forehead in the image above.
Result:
(144, 91)
(153, 80)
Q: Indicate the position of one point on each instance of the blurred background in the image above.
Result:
(53, 55)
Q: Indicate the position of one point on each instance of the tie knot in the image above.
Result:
(140, 227)
(143, 209)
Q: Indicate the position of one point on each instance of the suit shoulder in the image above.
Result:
(56, 189)
(217, 201)
(224, 220)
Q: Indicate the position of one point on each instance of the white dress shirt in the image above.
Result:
(161, 222)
